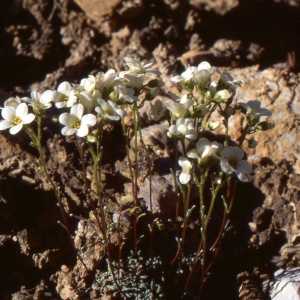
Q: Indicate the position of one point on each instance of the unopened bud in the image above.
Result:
(212, 125)
(266, 125)
(170, 135)
(55, 119)
(91, 138)
(135, 210)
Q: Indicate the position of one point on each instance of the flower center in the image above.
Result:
(233, 162)
(109, 111)
(16, 120)
(138, 69)
(76, 123)
(64, 99)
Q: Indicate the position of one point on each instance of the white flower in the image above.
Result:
(184, 128)
(89, 83)
(134, 81)
(110, 110)
(157, 110)
(231, 161)
(123, 95)
(185, 76)
(179, 109)
(14, 118)
(204, 149)
(186, 166)
(14, 102)
(253, 108)
(65, 96)
(41, 101)
(89, 100)
(202, 75)
(105, 82)
(138, 67)
(76, 123)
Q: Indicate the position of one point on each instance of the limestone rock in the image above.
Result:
(286, 285)
(220, 7)
(95, 9)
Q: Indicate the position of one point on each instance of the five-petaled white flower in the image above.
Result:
(105, 82)
(40, 101)
(14, 118)
(252, 107)
(184, 128)
(138, 67)
(110, 110)
(123, 95)
(65, 96)
(76, 123)
(134, 81)
(231, 161)
(204, 150)
(186, 166)
(180, 108)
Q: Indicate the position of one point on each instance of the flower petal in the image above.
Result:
(244, 166)
(83, 130)
(22, 110)
(8, 113)
(68, 131)
(64, 118)
(28, 119)
(184, 178)
(4, 124)
(89, 120)
(15, 129)
(77, 110)
(193, 154)
(64, 88)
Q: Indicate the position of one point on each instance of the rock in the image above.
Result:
(162, 194)
(286, 285)
(220, 7)
(278, 91)
(96, 9)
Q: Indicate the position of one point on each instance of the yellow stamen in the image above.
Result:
(16, 120)
(76, 123)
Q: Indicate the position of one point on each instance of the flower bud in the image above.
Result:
(91, 138)
(266, 125)
(55, 119)
(222, 96)
(212, 125)
(170, 135)
(135, 210)
(155, 83)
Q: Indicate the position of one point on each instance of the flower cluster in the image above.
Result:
(206, 153)
(208, 90)
(103, 96)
